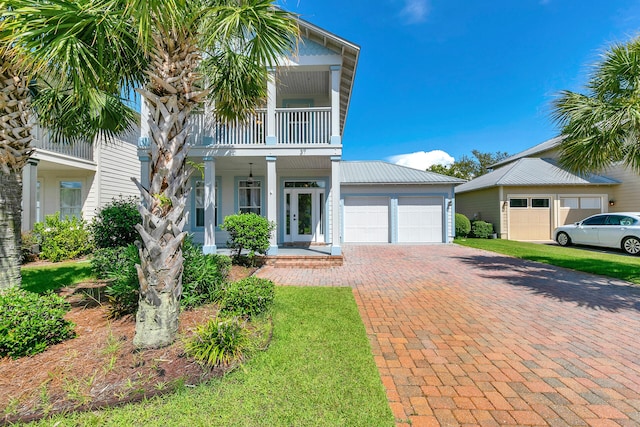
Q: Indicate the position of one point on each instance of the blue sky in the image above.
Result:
(458, 75)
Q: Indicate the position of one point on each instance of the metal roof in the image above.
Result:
(379, 172)
(540, 148)
(533, 172)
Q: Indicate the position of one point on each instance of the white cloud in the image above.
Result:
(415, 11)
(422, 159)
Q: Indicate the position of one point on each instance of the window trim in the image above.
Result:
(236, 188)
(548, 199)
(519, 207)
(70, 180)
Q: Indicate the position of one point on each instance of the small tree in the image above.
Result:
(114, 225)
(248, 231)
(463, 225)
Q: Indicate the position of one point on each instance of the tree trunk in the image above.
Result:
(15, 150)
(170, 98)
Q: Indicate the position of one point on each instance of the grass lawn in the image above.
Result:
(55, 276)
(612, 265)
(319, 370)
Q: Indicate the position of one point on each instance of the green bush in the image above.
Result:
(203, 277)
(219, 341)
(248, 231)
(481, 229)
(28, 248)
(62, 239)
(463, 225)
(114, 224)
(119, 266)
(30, 322)
(248, 297)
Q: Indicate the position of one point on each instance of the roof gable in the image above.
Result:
(542, 148)
(533, 172)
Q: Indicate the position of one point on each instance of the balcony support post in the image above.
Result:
(271, 138)
(336, 218)
(272, 203)
(209, 246)
(29, 182)
(335, 105)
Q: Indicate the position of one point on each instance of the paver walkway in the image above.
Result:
(467, 337)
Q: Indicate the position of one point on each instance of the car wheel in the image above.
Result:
(631, 245)
(563, 239)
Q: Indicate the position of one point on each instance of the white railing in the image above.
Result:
(81, 150)
(303, 125)
(293, 126)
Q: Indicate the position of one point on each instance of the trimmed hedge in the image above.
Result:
(250, 296)
(481, 229)
(463, 225)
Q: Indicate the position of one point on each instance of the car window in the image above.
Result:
(627, 220)
(613, 220)
(595, 220)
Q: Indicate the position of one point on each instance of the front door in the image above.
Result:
(303, 215)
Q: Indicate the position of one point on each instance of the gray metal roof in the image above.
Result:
(533, 172)
(379, 172)
(540, 148)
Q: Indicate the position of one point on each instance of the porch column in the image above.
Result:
(271, 139)
(209, 246)
(335, 105)
(336, 220)
(29, 182)
(272, 203)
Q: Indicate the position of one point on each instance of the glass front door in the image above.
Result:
(304, 215)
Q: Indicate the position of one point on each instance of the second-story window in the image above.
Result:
(250, 196)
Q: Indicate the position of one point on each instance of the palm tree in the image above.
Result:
(603, 126)
(40, 82)
(191, 51)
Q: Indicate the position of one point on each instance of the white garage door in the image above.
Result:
(419, 219)
(366, 219)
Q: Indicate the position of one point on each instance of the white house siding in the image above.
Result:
(50, 189)
(117, 164)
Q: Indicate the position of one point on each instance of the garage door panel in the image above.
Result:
(420, 219)
(530, 223)
(366, 219)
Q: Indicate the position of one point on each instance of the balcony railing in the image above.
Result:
(81, 150)
(292, 126)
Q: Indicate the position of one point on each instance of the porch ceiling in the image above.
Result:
(303, 83)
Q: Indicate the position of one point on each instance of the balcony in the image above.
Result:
(293, 126)
(81, 150)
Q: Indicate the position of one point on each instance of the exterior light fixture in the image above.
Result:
(250, 177)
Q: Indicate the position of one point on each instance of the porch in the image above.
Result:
(311, 256)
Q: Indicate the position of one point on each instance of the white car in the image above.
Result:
(620, 230)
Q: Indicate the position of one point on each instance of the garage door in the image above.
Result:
(419, 219)
(530, 218)
(366, 219)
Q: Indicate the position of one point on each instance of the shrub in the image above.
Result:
(114, 224)
(29, 247)
(248, 231)
(119, 265)
(219, 341)
(463, 225)
(30, 322)
(248, 297)
(481, 229)
(204, 275)
(62, 239)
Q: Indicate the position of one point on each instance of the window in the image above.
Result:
(518, 203)
(620, 220)
(198, 191)
(539, 203)
(589, 202)
(70, 199)
(595, 220)
(250, 197)
(569, 202)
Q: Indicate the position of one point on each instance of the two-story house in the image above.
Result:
(528, 195)
(285, 163)
(76, 179)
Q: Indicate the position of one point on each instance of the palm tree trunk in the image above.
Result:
(15, 141)
(170, 99)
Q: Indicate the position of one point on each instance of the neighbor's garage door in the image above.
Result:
(366, 219)
(419, 219)
(530, 218)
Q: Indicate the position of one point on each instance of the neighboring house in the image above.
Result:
(528, 195)
(285, 163)
(76, 179)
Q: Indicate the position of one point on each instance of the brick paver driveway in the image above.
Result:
(463, 336)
